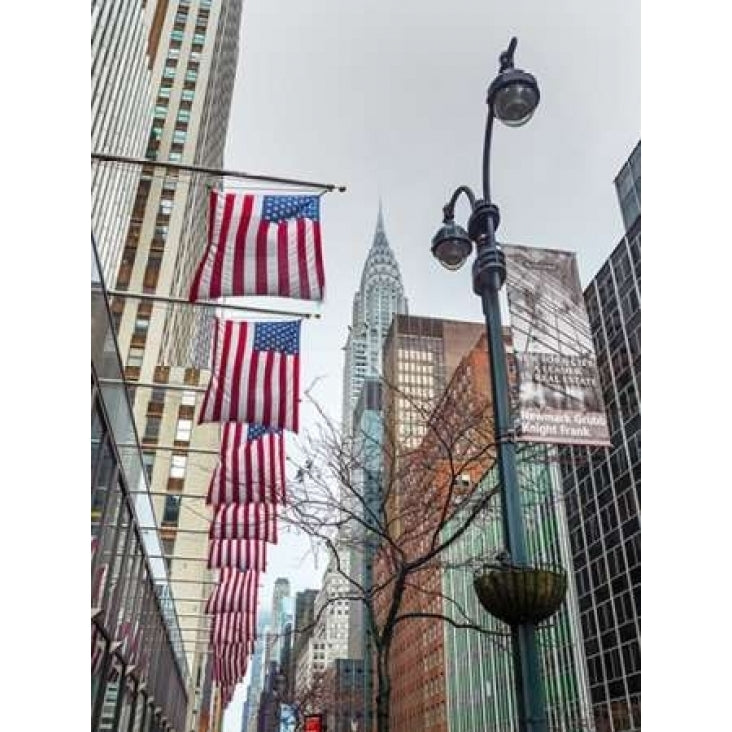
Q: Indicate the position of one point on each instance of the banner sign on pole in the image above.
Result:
(560, 397)
(314, 723)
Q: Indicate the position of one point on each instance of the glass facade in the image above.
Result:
(138, 669)
(603, 489)
(628, 187)
(368, 456)
(479, 674)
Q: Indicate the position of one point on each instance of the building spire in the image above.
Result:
(380, 241)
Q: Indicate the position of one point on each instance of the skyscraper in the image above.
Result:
(192, 76)
(379, 297)
(603, 485)
(420, 356)
(628, 188)
(250, 712)
(479, 674)
(124, 44)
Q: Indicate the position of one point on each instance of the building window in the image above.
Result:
(189, 399)
(179, 136)
(134, 358)
(166, 206)
(158, 395)
(148, 462)
(161, 234)
(168, 546)
(187, 95)
(152, 428)
(175, 157)
(172, 509)
(160, 113)
(191, 75)
(152, 271)
(183, 430)
(142, 322)
(178, 466)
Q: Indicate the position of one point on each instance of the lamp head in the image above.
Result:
(451, 245)
(513, 96)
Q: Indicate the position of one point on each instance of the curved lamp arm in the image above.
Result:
(487, 156)
(448, 209)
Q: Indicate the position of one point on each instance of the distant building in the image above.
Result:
(301, 660)
(330, 636)
(379, 297)
(344, 704)
(603, 485)
(367, 475)
(420, 356)
(256, 675)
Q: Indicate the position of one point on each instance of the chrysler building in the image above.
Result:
(380, 295)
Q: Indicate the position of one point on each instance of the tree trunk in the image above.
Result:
(383, 694)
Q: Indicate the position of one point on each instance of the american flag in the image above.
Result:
(256, 374)
(252, 466)
(232, 628)
(245, 521)
(236, 592)
(261, 245)
(229, 669)
(242, 554)
(240, 649)
(227, 694)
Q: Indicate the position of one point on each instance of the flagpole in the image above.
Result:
(218, 172)
(154, 385)
(164, 448)
(170, 300)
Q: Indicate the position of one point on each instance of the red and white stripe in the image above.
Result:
(250, 471)
(247, 385)
(242, 554)
(236, 592)
(99, 580)
(229, 669)
(245, 521)
(233, 628)
(248, 255)
(242, 649)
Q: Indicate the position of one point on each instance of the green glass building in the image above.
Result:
(479, 673)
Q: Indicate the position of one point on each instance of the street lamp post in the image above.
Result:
(512, 97)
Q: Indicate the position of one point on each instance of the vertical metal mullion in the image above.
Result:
(101, 689)
(121, 691)
(107, 525)
(115, 601)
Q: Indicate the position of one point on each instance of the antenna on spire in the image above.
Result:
(380, 218)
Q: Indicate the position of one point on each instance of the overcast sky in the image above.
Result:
(388, 98)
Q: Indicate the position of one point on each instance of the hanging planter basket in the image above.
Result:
(518, 595)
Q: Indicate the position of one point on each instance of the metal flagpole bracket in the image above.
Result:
(216, 172)
(169, 300)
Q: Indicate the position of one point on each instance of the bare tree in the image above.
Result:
(397, 497)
